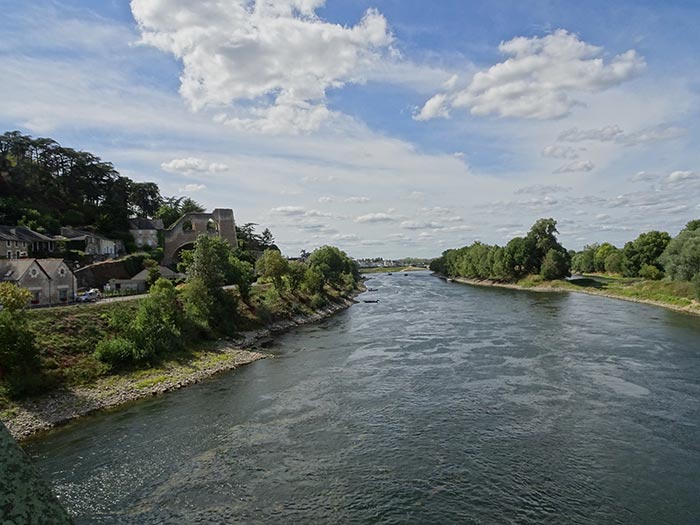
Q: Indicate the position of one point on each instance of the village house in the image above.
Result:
(138, 283)
(12, 246)
(50, 281)
(91, 243)
(145, 232)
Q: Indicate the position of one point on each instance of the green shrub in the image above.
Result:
(114, 351)
(318, 301)
(19, 357)
(650, 272)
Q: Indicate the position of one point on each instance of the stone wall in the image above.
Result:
(185, 231)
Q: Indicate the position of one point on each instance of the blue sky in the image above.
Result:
(388, 128)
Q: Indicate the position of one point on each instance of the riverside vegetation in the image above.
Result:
(653, 268)
(44, 350)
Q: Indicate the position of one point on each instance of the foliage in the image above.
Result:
(313, 280)
(681, 259)
(555, 265)
(274, 267)
(332, 262)
(296, 274)
(644, 250)
(18, 352)
(172, 208)
(13, 298)
(47, 186)
(115, 350)
(650, 272)
(520, 257)
(613, 262)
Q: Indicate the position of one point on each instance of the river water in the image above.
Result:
(442, 403)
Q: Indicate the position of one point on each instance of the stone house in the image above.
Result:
(12, 246)
(91, 243)
(49, 280)
(145, 232)
(138, 282)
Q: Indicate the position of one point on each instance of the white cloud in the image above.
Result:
(325, 200)
(190, 165)
(682, 176)
(375, 217)
(270, 62)
(415, 225)
(346, 237)
(538, 80)
(434, 108)
(192, 188)
(289, 211)
(560, 152)
(576, 166)
(616, 134)
(357, 200)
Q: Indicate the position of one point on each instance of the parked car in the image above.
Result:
(89, 296)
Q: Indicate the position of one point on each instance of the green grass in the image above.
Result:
(67, 337)
(674, 293)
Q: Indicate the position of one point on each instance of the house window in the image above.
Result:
(63, 295)
(9, 253)
(33, 272)
(61, 272)
(36, 296)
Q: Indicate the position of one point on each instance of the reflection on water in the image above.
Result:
(441, 403)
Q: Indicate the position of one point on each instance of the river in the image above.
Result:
(442, 403)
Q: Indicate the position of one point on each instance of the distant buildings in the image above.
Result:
(50, 281)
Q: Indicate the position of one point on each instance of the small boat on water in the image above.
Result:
(390, 273)
(372, 289)
(450, 280)
(371, 301)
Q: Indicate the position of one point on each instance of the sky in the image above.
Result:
(389, 128)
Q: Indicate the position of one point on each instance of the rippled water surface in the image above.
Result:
(440, 404)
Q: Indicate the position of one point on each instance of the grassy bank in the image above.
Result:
(67, 338)
(679, 296)
(396, 269)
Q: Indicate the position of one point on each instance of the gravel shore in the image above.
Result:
(59, 407)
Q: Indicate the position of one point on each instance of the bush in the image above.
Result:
(650, 272)
(19, 357)
(318, 301)
(117, 350)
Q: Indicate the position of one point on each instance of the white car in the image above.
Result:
(91, 295)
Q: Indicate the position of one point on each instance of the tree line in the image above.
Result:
(652, 255)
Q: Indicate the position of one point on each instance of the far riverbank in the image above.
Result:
(687, 306)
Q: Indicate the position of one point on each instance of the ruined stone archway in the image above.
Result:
(191, 225)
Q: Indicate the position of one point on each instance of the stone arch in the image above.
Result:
(219, 223)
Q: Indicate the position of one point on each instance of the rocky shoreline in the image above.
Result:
(57, 408)
(693, 309)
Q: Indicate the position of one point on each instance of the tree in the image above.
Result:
(13, 299)
(541, 238)
(556, 265)
(19, 356)
(681, 258)
(210, 261)
(332, 262)
(274, 267)
(644, 250)
(145, 199)
(297, 271)
(613, 262)
(602, 253)
(266, 239)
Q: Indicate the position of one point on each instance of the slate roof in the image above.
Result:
(138, 223)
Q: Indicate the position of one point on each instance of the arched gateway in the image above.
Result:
(191, 225)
